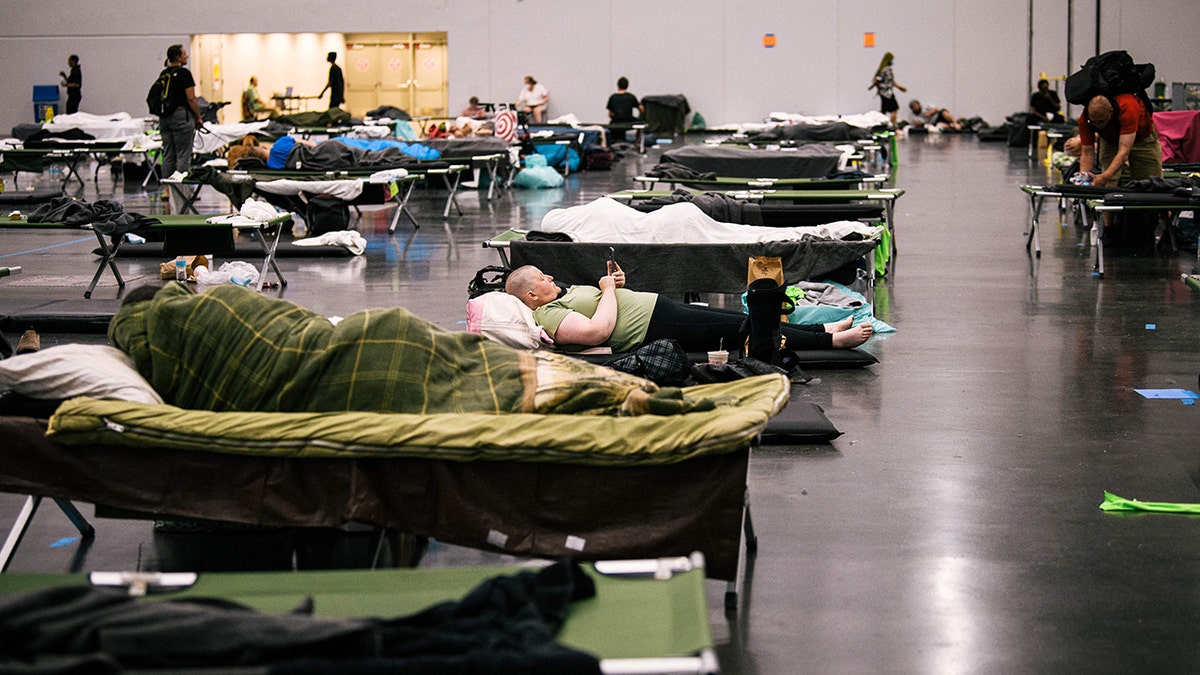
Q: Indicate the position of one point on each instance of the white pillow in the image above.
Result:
(61, 372)
(505, 319)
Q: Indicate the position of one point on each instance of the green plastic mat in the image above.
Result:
(1114, 503)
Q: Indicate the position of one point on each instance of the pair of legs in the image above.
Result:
(536, 113)
(699, 328)
(889, 106)
(178, 131)
(945, 119)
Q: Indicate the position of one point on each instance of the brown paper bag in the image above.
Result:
(764, 267)
(167, 270)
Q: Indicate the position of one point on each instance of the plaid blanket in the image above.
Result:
(232, 349)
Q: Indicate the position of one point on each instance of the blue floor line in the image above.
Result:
(44, 248)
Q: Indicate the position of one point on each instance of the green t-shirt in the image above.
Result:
(633, 315)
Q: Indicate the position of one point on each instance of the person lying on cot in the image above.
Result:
(335, 154)
(616, 317)
(277, 356)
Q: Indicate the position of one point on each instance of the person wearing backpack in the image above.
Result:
(180, 116)
(1120, 133)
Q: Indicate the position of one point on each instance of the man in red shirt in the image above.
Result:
(1124, 139)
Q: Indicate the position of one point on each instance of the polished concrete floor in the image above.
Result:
(954, 527)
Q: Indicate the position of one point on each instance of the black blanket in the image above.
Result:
(505, 625)
(339, 156)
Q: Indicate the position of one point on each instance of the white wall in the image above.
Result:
(969, 57)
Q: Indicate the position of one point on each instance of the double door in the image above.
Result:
(403, 70)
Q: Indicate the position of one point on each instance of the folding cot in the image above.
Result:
(804, 161)
(680, 269)
(488, 153)
(1132, 202)
(885, 197)
(68, 153)
(739, 183)
(867, 152)
(179, 232)
(1068, 196)
(1090, 202)
(371, 190)
(450, 174)
(678, 485)
(647, 615)
(793, 215)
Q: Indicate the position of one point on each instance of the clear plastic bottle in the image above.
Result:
(181, 268)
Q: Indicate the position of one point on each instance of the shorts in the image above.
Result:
(888, 104)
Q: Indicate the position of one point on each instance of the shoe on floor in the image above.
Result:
(30, 342)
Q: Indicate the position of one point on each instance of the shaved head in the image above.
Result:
(1099, 111)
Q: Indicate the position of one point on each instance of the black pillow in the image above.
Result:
(799, 422)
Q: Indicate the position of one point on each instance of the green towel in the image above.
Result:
(1115, 503)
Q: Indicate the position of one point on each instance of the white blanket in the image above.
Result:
(348, 189)
(220, 135)
(609, 221)
(114, 127)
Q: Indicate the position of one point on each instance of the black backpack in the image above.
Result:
(158, 100)
(1109, 74)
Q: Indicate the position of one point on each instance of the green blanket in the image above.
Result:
(744, 407)
(246, 374)
(232, 349)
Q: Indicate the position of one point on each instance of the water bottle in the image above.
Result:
(180, 268)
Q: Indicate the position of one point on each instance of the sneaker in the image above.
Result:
(30, 342)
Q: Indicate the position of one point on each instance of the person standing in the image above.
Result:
(180, 118)
(533, 99)
(883, 83)
(73, 82)
(336, 84)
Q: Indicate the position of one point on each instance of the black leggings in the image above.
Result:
(701, 329)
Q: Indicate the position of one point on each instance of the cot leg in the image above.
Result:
(108, 258)
(81, 524)
(493, 176)
(17, 532)
(452, 186)
(889, 208)
(746, 550)
(152, 169)
(189, 201)
(25, 517)
(402, 207)
(72, 170)
(269, 258)
(1097, 235)
(1034, 240)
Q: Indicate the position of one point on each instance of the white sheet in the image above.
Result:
(609, 221)
(348, 189)
(114, 127)
(865, 120)
(222, 134)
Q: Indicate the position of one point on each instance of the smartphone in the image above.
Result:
(612, 261)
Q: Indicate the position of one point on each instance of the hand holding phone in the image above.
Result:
(614, 270)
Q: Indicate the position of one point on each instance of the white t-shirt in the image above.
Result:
(529, 98)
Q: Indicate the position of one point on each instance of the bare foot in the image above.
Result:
(839, 326)
(852, 337)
